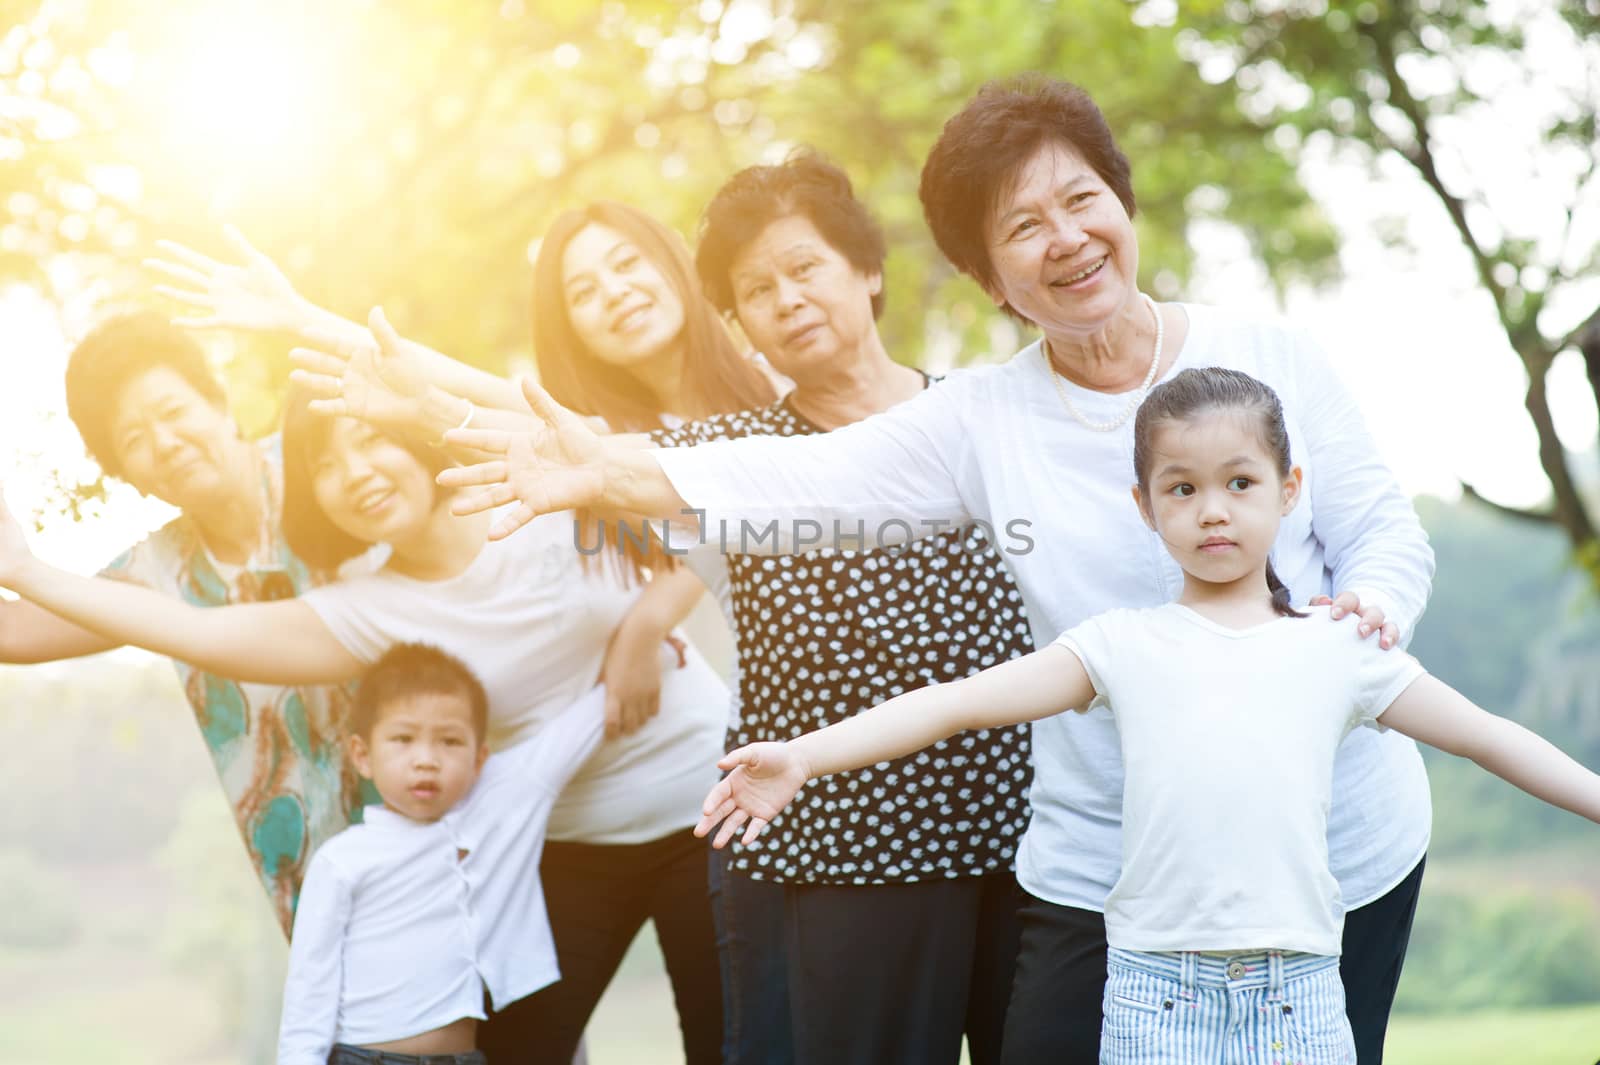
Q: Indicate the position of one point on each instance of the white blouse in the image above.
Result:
(402, 924)
(533, 622)
(996, 445)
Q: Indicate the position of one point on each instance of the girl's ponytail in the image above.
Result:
(1280, 594)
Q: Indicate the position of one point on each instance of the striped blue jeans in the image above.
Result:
(1213, 1009)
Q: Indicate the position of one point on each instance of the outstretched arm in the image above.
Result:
(764, 777)
(1435, 713)
(29, 634)
(253, 294)
(560, 464)
(282, 642)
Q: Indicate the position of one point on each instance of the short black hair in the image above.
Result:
(117, 350)
(805, 184)
(415, 669)
(981, 152)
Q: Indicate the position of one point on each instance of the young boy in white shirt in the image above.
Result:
(405, 920)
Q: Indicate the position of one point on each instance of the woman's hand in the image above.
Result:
(252, 295)
(1372, 618)
(763, 778)
(557, 466)
(375, 379)
(631, 673)
(378, 358)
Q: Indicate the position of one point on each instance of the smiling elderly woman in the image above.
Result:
(1027, 192)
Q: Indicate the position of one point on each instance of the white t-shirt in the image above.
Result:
(402, 923)
(1228, 739)
(996, 445)
(533, 623)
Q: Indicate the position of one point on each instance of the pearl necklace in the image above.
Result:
(1133, 402)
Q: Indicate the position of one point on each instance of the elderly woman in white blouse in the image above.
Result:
(1027, 192)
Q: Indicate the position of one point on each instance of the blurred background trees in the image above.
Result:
(410, 152)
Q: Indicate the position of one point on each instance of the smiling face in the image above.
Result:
(369, 486)
(620, 305)
(423, 754)
(171, 442)
(1215, 496)
(1063, 248)
(799, 300)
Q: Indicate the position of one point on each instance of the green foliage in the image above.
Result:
(35, 908)
(1471, 951)
(440, 139)
(1492, 108)
(1559, 1036)
(1508, 625)
(1497, 582)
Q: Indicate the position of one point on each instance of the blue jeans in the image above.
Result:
(343, 1054)
(1207, 1009)
(749, 916)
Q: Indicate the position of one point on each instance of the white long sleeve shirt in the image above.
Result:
(996, 445)
(402, 924)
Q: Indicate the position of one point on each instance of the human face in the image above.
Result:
(171, 442)
(622, 308)
(423, 754)
(1215, 497)
(1064, 252)
(369, 486)
(801, 303)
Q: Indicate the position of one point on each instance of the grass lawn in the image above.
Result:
(1555, 1036)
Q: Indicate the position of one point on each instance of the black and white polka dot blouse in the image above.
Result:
(827, 634)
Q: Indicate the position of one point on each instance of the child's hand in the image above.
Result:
(763, 778)
(1372, 618)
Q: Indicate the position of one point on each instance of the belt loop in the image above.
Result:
(1189, 974)
(1275, 974)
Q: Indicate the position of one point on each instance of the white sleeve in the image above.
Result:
(353, 613)
(553, 754)
(314, 987)
(1373, 544)
(884, 480)
(1095, 645)
(1381, 677)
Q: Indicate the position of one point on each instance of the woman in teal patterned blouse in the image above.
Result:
(152, 413)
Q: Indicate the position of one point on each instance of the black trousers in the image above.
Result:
(894, 974)
(1061, 975)
(598, 897)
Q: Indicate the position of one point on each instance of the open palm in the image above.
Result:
(251, 294)
(763, 778)
(556, 465)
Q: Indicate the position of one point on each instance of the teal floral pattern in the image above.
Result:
(278, 751)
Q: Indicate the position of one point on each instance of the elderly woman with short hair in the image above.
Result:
(1027, 192)
(882, 908)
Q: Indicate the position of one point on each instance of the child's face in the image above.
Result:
(1215, 496)
(423, 754)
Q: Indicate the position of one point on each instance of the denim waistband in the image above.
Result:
(1233, 971)
(344, 1054)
